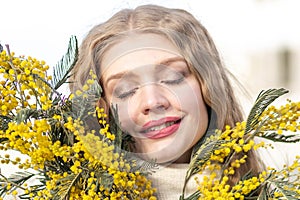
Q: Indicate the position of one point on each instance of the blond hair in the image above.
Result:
(193, 42)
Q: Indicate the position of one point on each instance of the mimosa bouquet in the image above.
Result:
(66, 156)
(68, 160)
(224, 153)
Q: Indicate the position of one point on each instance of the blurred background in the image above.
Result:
(259, 40)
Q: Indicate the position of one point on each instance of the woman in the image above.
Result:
(163, 71)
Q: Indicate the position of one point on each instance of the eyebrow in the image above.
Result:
(119, 76)
(167, 61)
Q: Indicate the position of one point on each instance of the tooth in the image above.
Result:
(156, 128)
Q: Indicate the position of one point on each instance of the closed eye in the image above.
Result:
(173, 82)
(127, 94)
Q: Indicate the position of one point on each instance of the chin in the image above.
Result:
(164, 155)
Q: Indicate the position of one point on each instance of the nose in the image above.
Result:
(153, 98)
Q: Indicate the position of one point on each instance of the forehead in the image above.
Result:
(135, 51)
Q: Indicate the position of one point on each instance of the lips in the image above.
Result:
(161, 128)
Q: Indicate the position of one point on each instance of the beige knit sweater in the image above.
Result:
(169, 182)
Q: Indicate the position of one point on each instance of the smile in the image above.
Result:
(161, 128)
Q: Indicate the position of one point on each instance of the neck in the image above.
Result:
(184, 158)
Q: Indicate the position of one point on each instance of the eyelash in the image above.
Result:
(127, 94)
(173, 82)
(131, 92)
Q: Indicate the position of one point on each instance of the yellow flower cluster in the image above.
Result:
(74, 162)
(22, 84)
(234, 142)
(212, 188)
(223, 161)
(30, 139)
(284, 118)
(289, 177)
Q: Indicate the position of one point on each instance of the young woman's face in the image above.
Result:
(159, 100)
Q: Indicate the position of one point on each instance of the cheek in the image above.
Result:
(190, 98)
(125, 115)
(123, 110)
(192, 103)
